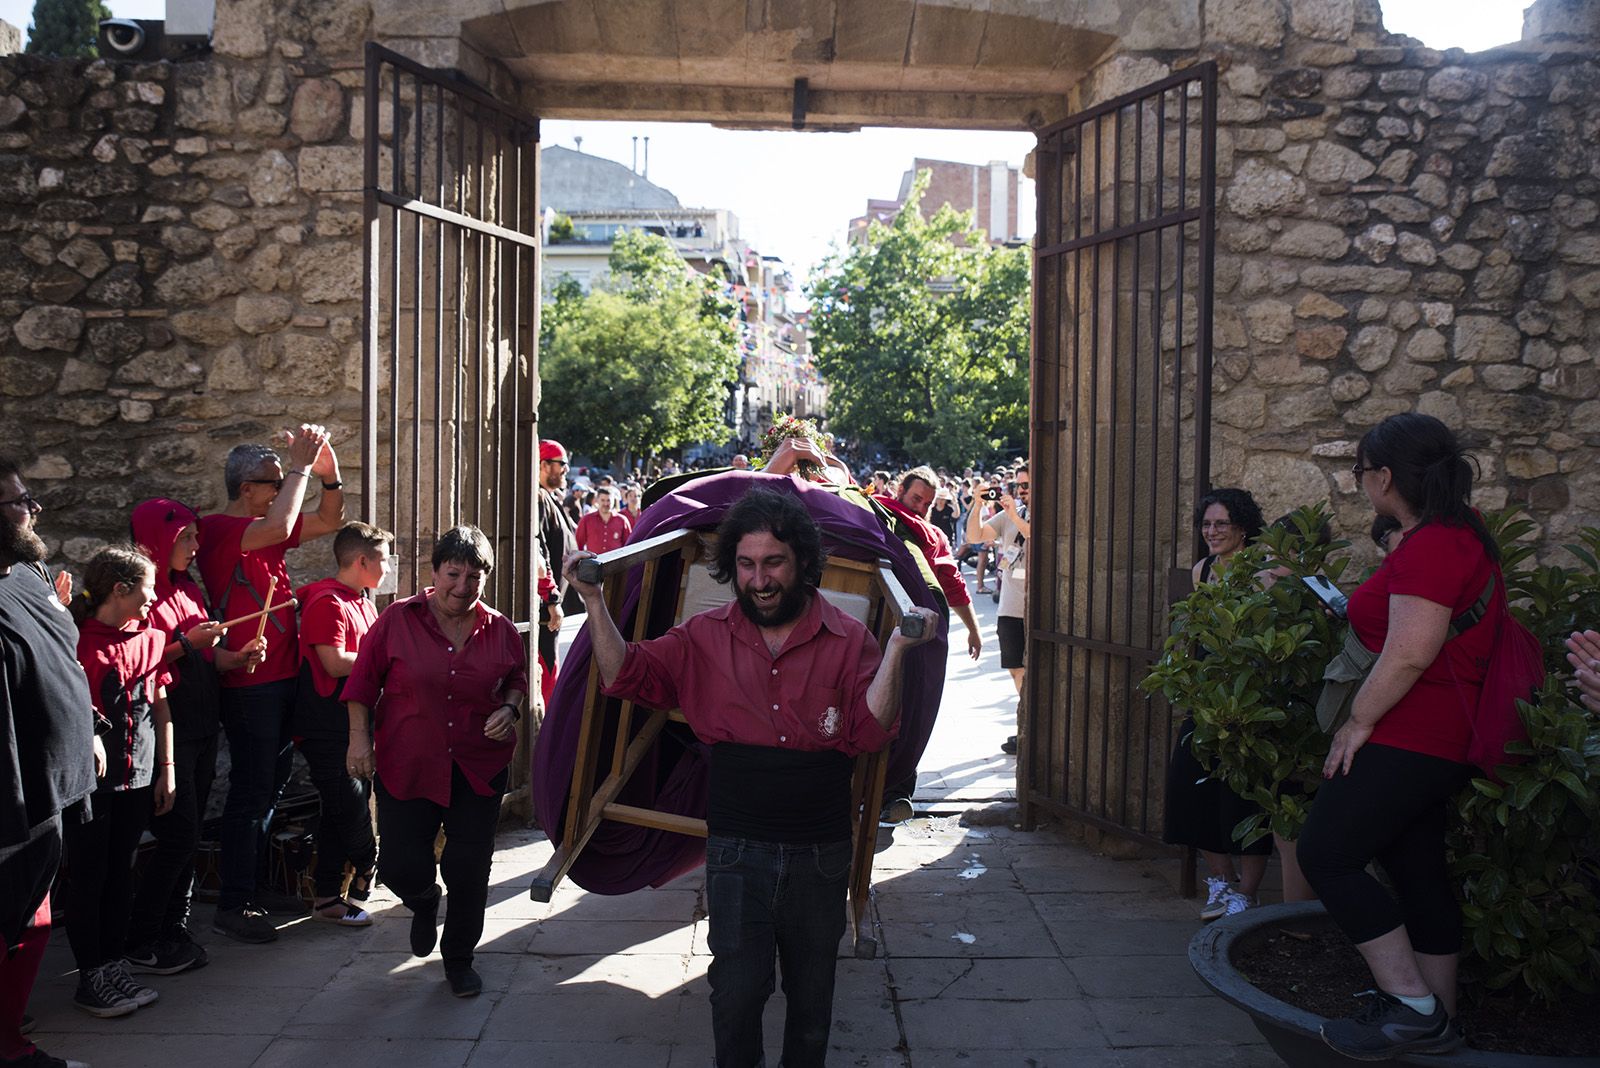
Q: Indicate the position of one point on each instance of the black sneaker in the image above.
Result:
(184, 937)
(118, 976)
(275, 903)
(464, 982)
(1009, 746)
(897, 810)
(425, 925)
(38, 1058)
(98, 996)
(1385, 1026)
(245, 924)
(28, 1024)
(165, 958)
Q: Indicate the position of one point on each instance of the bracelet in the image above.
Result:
(516, 713)
(168, 764)
(337, 483)
(297, 471)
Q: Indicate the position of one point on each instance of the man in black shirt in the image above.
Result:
(51, 755)
(556, 539)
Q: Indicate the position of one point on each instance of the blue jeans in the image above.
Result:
(256, 721)
(768, 900)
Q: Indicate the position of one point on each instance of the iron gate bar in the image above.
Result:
(477, 197)
(1097, 720)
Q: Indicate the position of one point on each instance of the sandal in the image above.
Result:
(338, 910)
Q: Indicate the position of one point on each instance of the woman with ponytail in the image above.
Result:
(1394, 765)
(123, 659)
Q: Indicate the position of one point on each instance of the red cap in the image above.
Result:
(550, 449)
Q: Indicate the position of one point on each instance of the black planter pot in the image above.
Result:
(1294, 1034)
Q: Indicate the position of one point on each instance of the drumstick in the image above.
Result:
(290, 603)
(261, 628)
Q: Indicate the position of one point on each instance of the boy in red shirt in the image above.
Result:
(241, 552)
(335, 614)
(603, 529)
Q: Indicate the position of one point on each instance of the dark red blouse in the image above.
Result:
(430, 699)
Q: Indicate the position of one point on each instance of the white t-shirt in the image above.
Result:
(1013, 564)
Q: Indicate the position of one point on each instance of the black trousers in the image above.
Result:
(26, 871)
(345, 832)
(100, 874)
(1390, 808)
(166, 888)
(408, 829)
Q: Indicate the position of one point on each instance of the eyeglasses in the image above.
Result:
(1220, 524)
(27, 502)
(275, 483)
(564, 464)
(1358, 469)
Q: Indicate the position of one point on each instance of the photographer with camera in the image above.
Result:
(1009, 530)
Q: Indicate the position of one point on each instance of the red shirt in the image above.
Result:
(1447, 565)
(125, 676)
(430, 699)
(935, 549)
(331, 613)
(222, 564)
(716, 667)
(596, 535)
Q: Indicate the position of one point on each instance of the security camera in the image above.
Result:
(124, 36)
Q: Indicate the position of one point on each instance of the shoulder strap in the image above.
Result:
(1477, 611)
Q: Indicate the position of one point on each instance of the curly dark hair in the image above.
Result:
(1243, 511)
(779, 514)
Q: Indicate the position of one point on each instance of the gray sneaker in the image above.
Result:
(244, 925)
(98, 996)
(1384, 1026)
(117, 974)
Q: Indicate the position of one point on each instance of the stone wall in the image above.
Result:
(180, 263)
(1402, 229)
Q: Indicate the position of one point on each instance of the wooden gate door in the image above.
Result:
(1121, 399)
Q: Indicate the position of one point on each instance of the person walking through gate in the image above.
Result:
(51, 767)
(442, 676)
(555, 541)
(603, 529)
(785, 689)
(242, 560)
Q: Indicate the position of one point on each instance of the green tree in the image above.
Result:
(66, 27)
(643, 363)
(922, 336)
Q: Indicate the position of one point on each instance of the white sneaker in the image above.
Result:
(1235, 903)
(1217, 891)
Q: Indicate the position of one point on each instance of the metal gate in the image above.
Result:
(450, 369)
(1121, 413)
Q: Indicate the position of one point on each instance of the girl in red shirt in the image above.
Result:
(1395, 765)
(127, 684)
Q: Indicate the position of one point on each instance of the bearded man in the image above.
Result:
(53, 756)
(785, 689)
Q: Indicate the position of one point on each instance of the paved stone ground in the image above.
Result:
(1000, 948)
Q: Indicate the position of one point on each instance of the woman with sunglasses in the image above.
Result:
(1201, 812)
(1397, 762)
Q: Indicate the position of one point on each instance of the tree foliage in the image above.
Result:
(922, 336)
(66, 27)
(643, 363)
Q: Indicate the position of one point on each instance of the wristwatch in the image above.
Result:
(335, 484)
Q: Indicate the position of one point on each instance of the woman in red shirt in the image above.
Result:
(443, 676)
(1394, 766)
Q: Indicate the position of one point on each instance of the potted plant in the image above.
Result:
(1525, 851)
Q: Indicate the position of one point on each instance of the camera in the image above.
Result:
(993, 494)
(131, 38)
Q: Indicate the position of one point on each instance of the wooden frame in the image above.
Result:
(589, 802)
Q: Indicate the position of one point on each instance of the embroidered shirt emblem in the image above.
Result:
(828, 724)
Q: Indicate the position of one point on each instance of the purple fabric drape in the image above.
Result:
(620, 858)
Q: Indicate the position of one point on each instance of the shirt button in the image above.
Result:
(783, 737)
(774, 708)
(449, 723)
(774, 671)
(449, 648)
